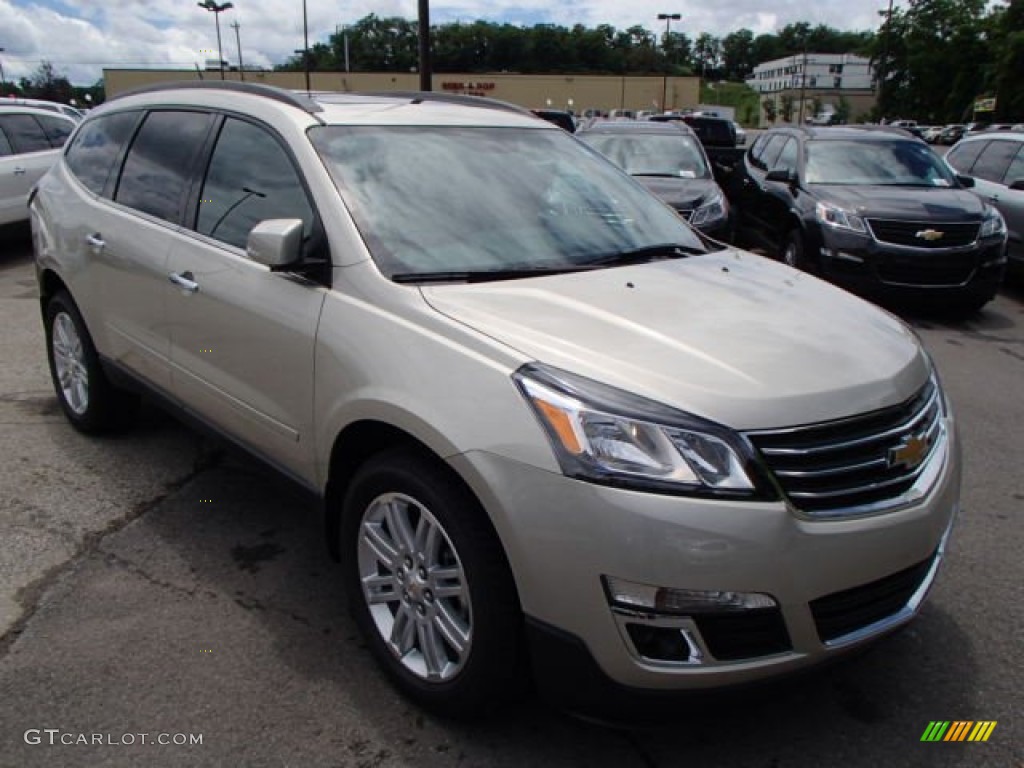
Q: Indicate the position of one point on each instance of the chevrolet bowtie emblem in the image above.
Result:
(929, 234)
(909, 453)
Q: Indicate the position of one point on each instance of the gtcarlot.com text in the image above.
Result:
(56, 736)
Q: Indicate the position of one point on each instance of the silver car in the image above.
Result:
(541, 414)
(30, 142)
(996, 161)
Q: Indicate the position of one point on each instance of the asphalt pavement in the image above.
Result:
(154, 588)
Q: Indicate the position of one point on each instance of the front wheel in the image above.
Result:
(794, 252)
(429, 585)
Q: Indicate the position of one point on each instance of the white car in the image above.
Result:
(50, 106)
(30, 142)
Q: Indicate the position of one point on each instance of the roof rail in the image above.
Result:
(291, 98)
(452, 98)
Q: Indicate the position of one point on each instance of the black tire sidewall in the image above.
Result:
(97, 415)
(493, 671)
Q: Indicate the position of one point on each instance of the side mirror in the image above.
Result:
(965, 181)
(785, 175)
(1018, 185)
(275, 243)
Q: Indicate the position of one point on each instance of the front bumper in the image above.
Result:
(562, 536)
(869, 267)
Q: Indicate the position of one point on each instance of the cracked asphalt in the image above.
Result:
(153, 584)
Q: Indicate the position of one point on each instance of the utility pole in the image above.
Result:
(803, 84)
(668, 18)
(217, 10)
(305, 43)
(3, 80)
(885, 60)
(424, 38)
(238, 41)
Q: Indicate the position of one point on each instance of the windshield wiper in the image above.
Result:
(483, 275)
(647, 253)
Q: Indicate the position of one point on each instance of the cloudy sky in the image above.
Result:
(82, 36)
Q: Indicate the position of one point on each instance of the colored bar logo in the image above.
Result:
(958, 730)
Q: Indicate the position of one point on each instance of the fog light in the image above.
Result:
(663, 643)
(627, 594)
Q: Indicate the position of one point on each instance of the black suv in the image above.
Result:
(872, 209)
(670, 161)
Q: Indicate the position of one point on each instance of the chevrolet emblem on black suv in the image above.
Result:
(929, 234)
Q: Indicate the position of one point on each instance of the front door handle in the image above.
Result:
(993, 198)
(19, 171)
(96, 241)
(186, 281)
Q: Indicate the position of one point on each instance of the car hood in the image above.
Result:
(729, 336)
(679, 192)
(913, 203)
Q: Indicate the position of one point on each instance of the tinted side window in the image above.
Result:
(1016, 170)
(57, 130)
(160, 161)
(994, 161)
(757, 151)
(787, 157)
(5, 145)
(962, 156)
(771, 152)
(92, 154)
(25, 133)
(250, 179)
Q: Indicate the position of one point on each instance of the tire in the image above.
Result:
(794, 253)
(445, 624)
(90, 402)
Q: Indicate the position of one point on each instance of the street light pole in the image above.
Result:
(3, 80)
(803, 84)
(305, 43)
(426, 65)
(668, 18)
(238, 42)
(217, 10)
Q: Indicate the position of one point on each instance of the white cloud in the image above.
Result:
(82, 36)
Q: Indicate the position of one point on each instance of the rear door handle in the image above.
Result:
(186, 281)
(96, 241)
(19, 171)
(993, 198)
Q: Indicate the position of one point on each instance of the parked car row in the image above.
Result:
(550, 425)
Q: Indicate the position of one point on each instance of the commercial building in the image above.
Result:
(574, 92)
(808, 86)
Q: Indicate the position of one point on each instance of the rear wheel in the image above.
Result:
(90, 402)
(429, 586)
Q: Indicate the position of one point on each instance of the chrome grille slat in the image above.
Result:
(862, 462)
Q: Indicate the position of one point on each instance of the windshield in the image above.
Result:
(883, 163)
(451, 198)
(650, 154)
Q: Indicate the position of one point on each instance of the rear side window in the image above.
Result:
(57, 130)
(963, 155)
(97, 146)
(1016, 170)
(250, 179)
(994, 161)
(5, 145)
(25, 134)
(160, 161)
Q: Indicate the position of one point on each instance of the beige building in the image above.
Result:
(859, 102)
(575, 92)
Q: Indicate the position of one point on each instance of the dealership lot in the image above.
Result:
(155, 585)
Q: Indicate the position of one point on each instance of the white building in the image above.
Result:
(824, 71)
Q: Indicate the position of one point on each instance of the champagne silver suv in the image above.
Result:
(549, 422)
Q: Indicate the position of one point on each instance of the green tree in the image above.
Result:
(47, 83)
(738, 54)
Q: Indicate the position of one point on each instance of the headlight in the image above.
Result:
(713, 210)
(835, 217)
(603, 434)
(993, 225)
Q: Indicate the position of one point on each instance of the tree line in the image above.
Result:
(390, 44)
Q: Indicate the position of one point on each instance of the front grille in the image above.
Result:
(922, 234)
(839, 466)
(931, 269)
(844, 612)
(745, 634)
